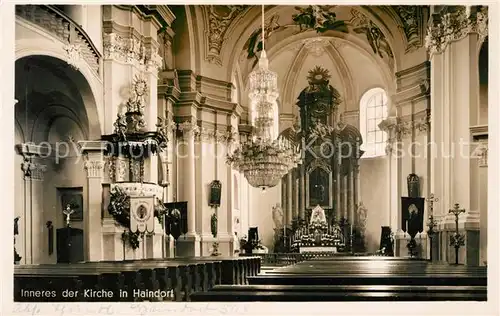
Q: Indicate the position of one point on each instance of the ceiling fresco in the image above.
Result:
(285, 21)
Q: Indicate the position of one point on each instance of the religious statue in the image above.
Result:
(17, 257)
(362, 216)
(374, 36)
(319, 18)
(278, 216)
(68, 211)
(318, 215)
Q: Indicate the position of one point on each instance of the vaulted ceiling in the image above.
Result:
(362, 46)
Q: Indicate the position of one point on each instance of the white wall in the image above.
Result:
(374, 193)
(52, 112)
(261, 212)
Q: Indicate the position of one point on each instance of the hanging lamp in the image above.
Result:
(264, 158)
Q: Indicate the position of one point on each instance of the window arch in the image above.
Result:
(373, 110)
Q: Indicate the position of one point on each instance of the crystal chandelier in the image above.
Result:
(263, 158)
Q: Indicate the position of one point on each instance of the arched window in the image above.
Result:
(373, 110)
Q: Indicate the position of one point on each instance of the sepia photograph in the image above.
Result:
(250, 153)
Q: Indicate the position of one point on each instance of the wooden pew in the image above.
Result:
(351, 279)
(182, 276)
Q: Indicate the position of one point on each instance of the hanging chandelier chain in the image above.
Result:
(263, 28)
(264, 158)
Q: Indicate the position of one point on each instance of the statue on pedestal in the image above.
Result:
(17, 257)
(362, 217)
(278, 216)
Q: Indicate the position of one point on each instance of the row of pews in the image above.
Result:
(343, 278)
(172, 279)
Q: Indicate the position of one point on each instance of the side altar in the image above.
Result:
(318, 235)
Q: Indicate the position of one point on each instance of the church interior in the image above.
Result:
(206, 136)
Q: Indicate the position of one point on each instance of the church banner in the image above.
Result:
(412, 217)
(142, 213)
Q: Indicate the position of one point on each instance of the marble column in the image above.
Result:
(25, 222)
(189, 244)
(92, 152)
(206, 157)
(289, 198)
(31, 224)
(354, 202)
(302, 182)
(284, 199)
(38, 246)
(345, 180)
(454, 46)
(338, 204)
(483, 205)
(357, 186)
(296, 199)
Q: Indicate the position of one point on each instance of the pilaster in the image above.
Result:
(289, 197)
(482, 153)
(31, 225)
(92, 152)
(189, 244)
(453, 41)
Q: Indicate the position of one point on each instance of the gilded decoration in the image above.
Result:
(220, 18)
(77, 43)
(398, 129)
(94, 168)
(132, 51)
(481, 153)
(32, 169)
(377, 40)
(412, 20)
(319, 18)
(73, 54)
(447, 27)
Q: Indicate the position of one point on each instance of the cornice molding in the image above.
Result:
(133, 51)
(400, 128)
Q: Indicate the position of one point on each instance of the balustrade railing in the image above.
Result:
(57, 23)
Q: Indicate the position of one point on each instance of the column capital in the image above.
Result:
(94, 162)
(189, 129)
(481, 153)
(33, 170)
(94, 168)
(449, 26)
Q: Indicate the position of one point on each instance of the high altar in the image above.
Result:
(319, 235)
(327, 181)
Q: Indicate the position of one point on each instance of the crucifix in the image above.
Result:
(457, 239)
(68, 211)
(431, 222)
